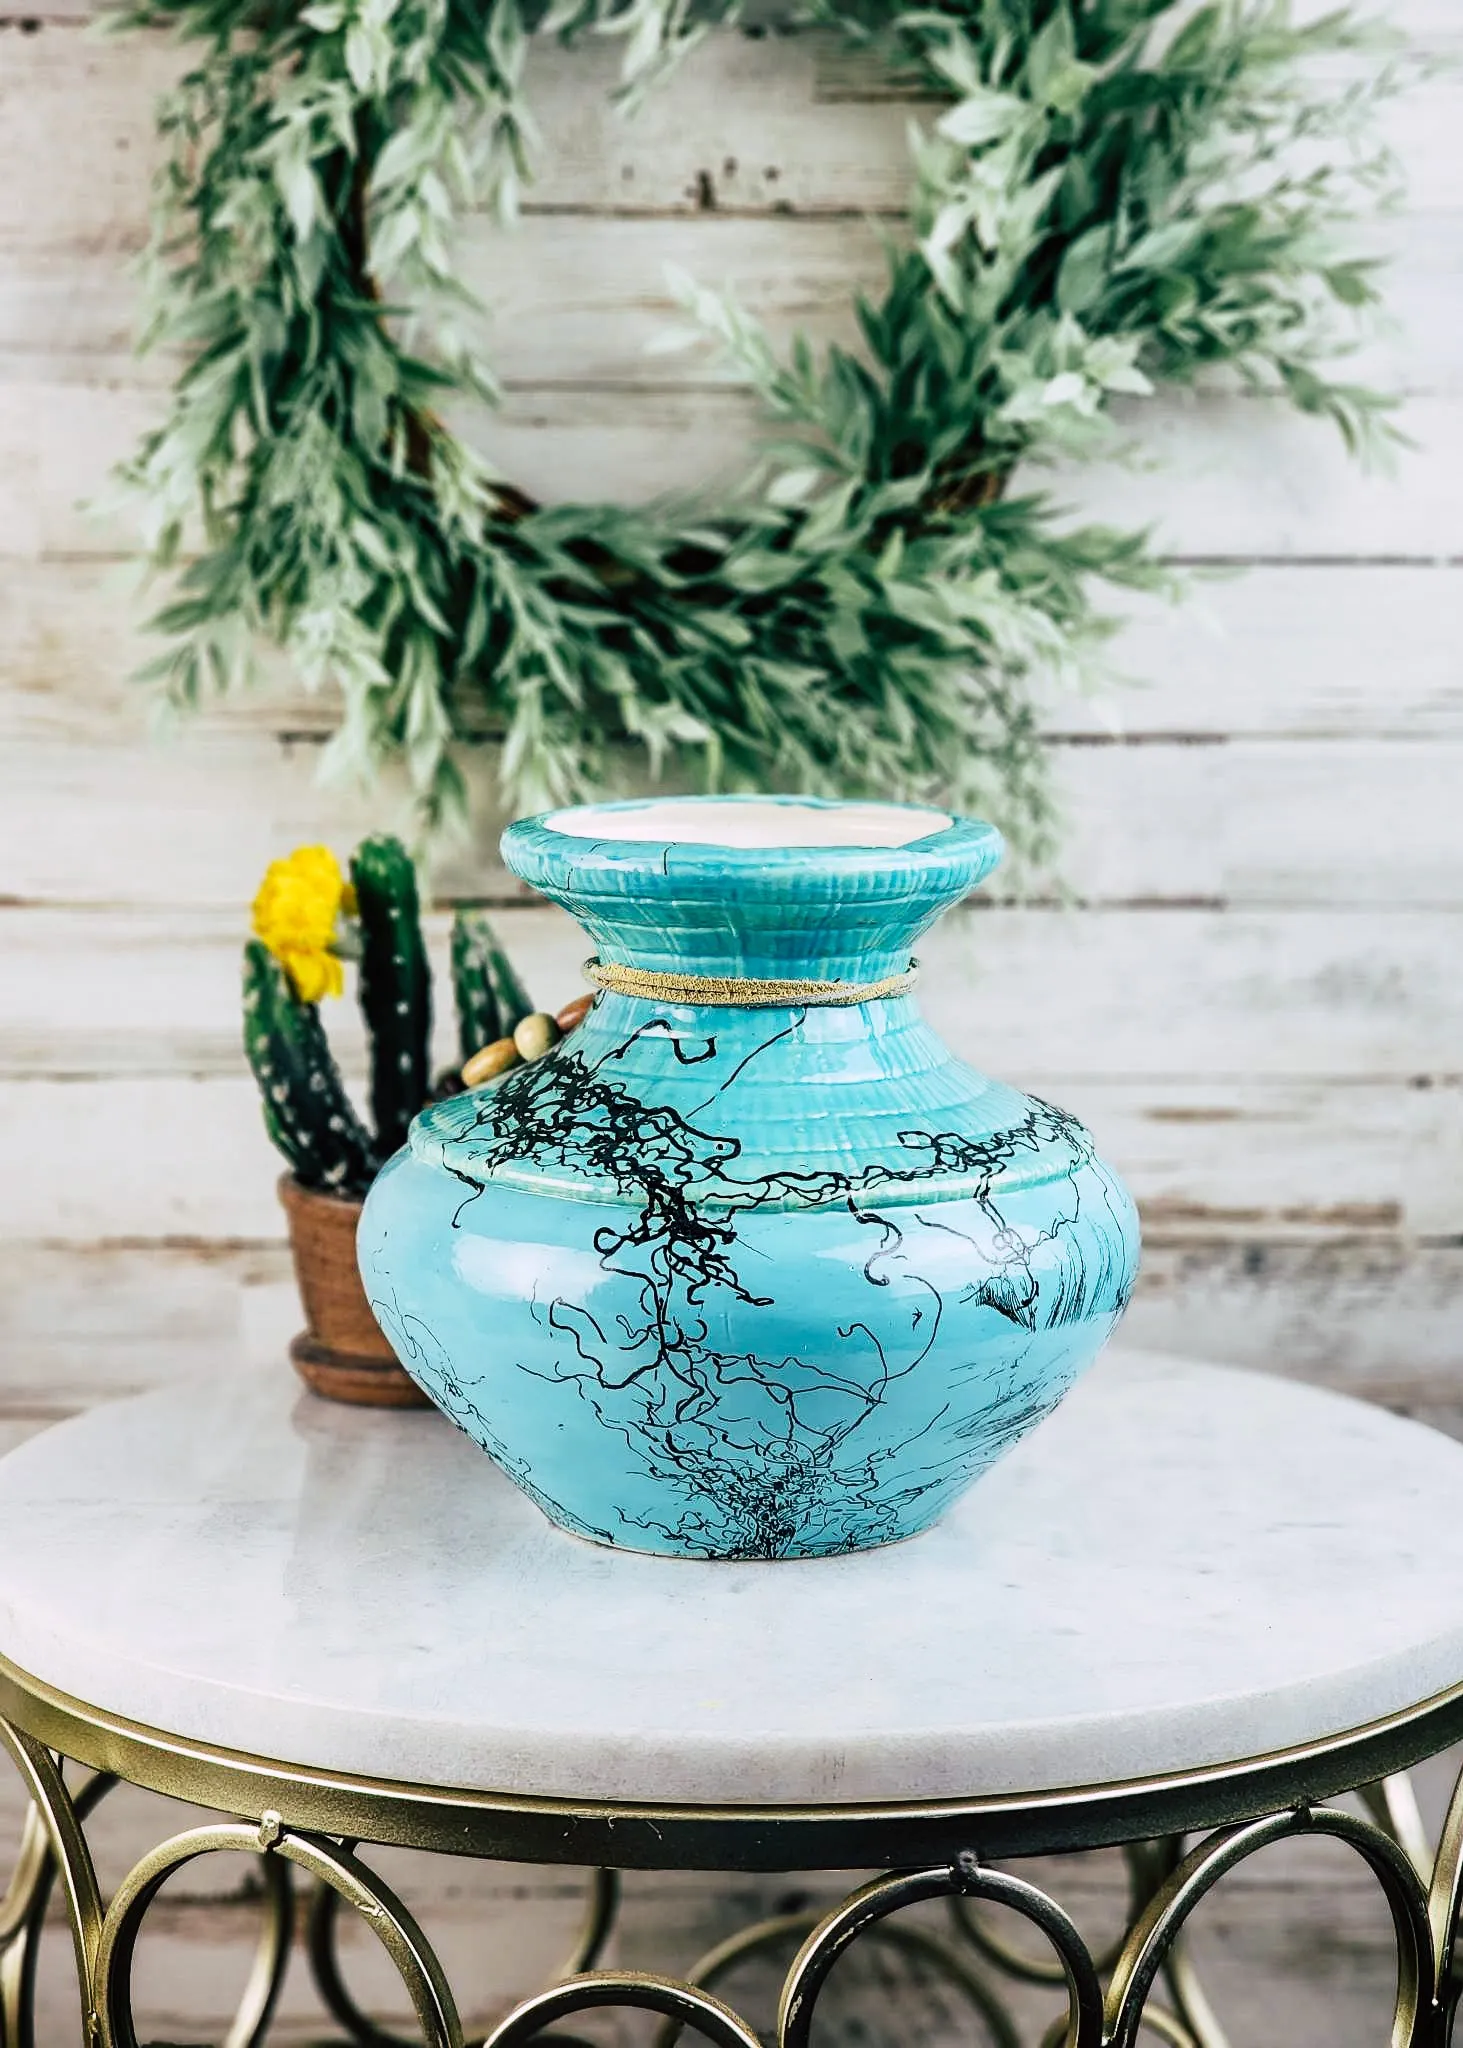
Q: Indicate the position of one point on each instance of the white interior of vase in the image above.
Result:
(751, 822)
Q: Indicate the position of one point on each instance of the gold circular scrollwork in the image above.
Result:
(54, 1854)
(1418, 2021)
(917, 1942)
(1048, 1970)
(371, 1897)
(840, 1928)
(23, 1908)
(271, 1958)
(68, 1859)
(322, 1928)
(670, 1996)
(26, 1879)
(1445, 1912)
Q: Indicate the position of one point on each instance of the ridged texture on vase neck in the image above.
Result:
(821, 1105)
(835, 912)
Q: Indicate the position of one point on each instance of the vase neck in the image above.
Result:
(791, 889)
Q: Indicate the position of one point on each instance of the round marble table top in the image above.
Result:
(1185, 1566)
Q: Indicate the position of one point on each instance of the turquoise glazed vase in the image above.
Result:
(740, 1271)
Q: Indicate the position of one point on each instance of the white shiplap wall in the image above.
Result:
(1255, 999)
(1256, 996)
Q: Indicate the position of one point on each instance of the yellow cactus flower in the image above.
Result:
(297, 913)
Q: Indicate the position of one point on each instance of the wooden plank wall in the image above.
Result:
(1252, 990)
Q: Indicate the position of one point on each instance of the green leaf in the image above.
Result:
(1083, 272)
(1054, 76)
(1354, 283)
(982, 117)
(295, 177)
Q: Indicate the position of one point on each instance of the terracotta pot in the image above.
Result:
(341, 1353)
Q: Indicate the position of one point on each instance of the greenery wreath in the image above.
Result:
(1114, 195)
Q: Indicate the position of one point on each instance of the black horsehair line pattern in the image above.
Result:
(661, 1381)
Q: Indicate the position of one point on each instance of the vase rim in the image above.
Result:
(752, 823)
(782, 836)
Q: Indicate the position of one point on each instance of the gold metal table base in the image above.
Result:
(1112, 1999)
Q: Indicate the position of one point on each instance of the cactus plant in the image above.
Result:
(479, 1019)
(306, 1109)
(307, 918)
(514, 1001)
(491, 1000)
(395, 986)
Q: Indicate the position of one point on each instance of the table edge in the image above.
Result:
(520, 1828)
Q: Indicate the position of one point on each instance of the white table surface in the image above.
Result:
(1186, 1565)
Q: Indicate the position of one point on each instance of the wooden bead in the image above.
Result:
(493, 1060)
(574, 1013)
(535, 1035)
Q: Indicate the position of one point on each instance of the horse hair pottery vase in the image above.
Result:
(751, 1266)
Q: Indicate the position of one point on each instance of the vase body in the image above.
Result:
(748, 1282)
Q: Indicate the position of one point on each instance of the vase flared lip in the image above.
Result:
(740, 838)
